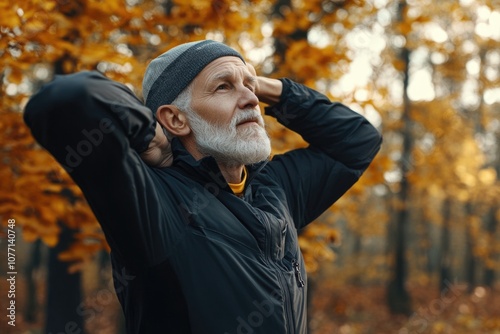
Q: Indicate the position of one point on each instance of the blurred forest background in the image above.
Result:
(414, 247)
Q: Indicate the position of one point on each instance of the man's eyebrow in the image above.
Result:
(251, 78)
(225, 75)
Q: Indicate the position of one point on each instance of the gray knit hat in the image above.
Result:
(170, 73)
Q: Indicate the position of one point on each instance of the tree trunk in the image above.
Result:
(493, 223)
(491, 228)
(32, 306)
(445, 267)
(63, 290)
(398, 299)
(356, 255)
(470, 259)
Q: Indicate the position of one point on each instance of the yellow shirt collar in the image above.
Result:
(237, 188)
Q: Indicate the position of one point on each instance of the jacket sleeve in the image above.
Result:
(96, 128)
(342, 145)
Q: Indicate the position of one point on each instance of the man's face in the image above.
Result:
(226, 121)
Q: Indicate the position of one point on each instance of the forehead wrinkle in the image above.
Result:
(227, 74)
(224, 75)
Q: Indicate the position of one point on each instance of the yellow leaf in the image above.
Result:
(50, 239)
(9, 20)
(15, 76)
(487, 176)
(29, 234)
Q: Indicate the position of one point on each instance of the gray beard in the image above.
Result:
(229, 145)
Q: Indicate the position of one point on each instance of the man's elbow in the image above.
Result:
(373, 149)
(57, 97)
(366, 151)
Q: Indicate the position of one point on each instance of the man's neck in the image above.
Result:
(232, 173)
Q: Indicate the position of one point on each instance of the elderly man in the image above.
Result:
(202, 222)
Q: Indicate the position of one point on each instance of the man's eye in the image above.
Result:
(222, 87)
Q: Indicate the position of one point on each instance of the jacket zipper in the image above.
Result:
(287, 298)
(288, 302)
(298, 275)
(253, 174)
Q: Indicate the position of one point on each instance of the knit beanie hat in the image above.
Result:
(170, 73)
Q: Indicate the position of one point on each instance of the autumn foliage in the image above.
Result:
(427, 75)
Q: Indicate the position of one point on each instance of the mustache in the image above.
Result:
(247, 116)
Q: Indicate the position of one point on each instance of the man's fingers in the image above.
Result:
(251, 69)
(159, 152)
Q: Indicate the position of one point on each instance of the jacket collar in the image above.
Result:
(206, 171)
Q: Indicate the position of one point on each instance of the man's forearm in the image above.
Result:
(339, 132)
(58, 119)
(269, 90)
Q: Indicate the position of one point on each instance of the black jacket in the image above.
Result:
(188, 255)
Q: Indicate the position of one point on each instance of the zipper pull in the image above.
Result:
(298, 276)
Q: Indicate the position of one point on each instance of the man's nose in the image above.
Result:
(247, 99)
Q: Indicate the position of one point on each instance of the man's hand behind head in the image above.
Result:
(159, 152)
(267, 90)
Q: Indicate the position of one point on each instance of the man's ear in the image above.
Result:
(173, 120)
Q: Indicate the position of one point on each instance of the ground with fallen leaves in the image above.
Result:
(343, 309)
(363, 310)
